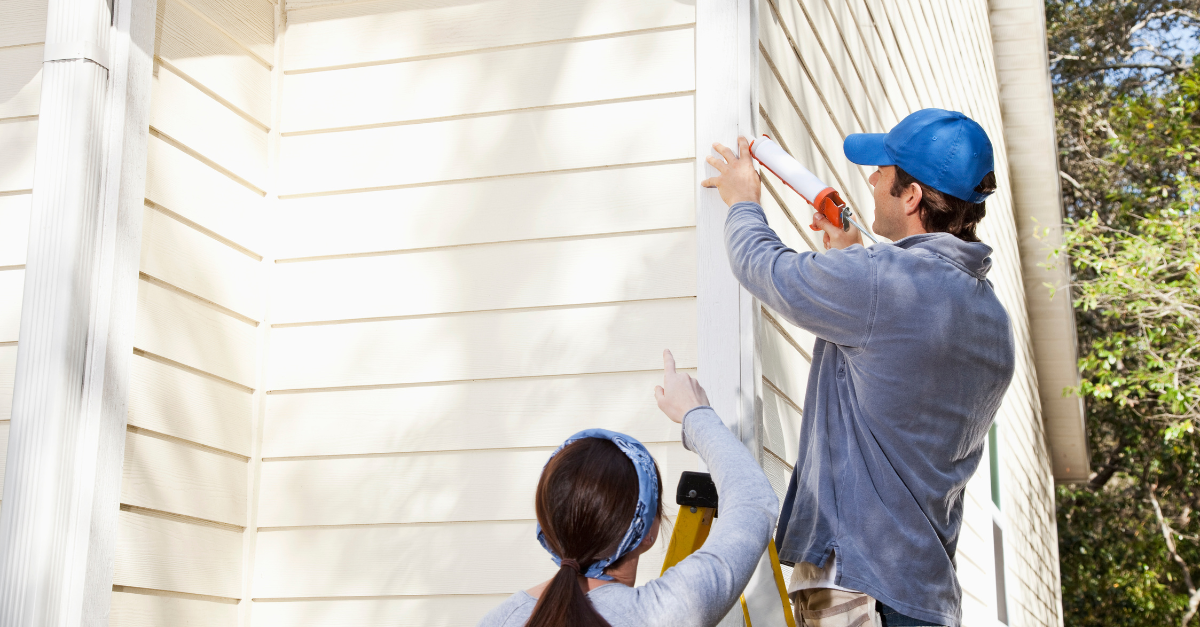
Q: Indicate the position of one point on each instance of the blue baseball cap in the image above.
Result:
(945, 150)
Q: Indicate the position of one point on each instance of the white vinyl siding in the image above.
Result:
(485, 237)
(829, 68)
(22, 33)
(185, 495)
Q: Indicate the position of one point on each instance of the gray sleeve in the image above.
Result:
(833, 295)
(701, 589)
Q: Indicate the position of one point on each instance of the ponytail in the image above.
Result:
(585, 500)
(564, 603)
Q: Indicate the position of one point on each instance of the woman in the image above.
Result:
(599, 507)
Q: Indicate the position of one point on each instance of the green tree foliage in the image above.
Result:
(1127, 91)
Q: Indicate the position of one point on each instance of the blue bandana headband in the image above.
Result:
(647, 506)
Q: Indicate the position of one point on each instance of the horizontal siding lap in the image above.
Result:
(8, 372)
(22, 22)
(20, 80)
(14, 228)
(176, 556)
(12, 285)
(386, 30)
(584, 137)
(18, 146)
(152, 610)
(172, 401)
(603, 338)
(502, 276)
(476, 212)
(631, 66)
(430, 611)
(471, 414)
(173, 477)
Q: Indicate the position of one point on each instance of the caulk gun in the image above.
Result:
(822, 197)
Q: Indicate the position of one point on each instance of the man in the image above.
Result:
(914, 353)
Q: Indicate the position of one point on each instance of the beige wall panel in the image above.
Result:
(12, 285)
(533, 207)
(383, 30)
(14, 228)
(603, 338)
(189, 116)
(782, 364)
(251, 23)
(187, 187)
(843, 53)
(605, 69)
(374, 560)
(180, 479)
(774, 32)
(176, 556)
(471, 414)
(811, 139)
(532, 141)
(500, 276)
(4, 426)
(781, 425)
(22, 22)
(876, 68)
(8, 371)
(442, 486)
(204, 54)
(20, 81)
(433, 611)
(874, 18)
(190, 260)
(919, 63)
(173, 401)
(184, 330)
(18, 145)
(803, 338)
(149, 610)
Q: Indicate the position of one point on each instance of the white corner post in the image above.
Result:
(66, 444)
(726, 63)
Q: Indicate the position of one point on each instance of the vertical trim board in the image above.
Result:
(8, 372)
(387, 30)
(476, 212)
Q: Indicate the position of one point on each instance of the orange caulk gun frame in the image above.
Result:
(822, 197)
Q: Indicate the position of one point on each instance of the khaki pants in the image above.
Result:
(826, 607)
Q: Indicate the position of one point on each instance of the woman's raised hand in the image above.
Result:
(679, 393)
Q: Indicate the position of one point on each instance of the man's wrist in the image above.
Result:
(735, 201)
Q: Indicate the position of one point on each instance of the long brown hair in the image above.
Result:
(585, 502)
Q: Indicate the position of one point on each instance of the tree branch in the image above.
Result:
(1168, 533)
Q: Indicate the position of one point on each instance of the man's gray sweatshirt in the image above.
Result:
(914, 353)
(701, 589)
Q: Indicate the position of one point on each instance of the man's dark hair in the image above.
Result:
(943, 213)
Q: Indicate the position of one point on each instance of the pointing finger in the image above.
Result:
(669, 361)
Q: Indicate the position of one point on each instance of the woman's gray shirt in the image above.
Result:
(701, 589)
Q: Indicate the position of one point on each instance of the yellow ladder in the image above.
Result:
(697, 499)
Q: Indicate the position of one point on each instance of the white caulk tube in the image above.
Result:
(822, 197)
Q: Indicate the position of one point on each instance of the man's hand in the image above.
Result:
(738, 181)
(834, 236)
(681, 394)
